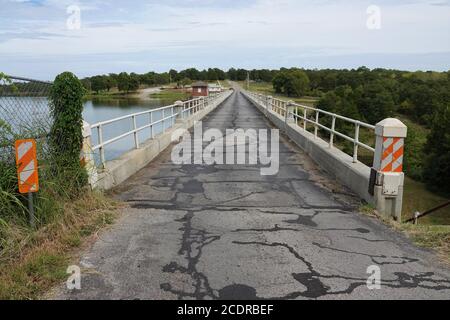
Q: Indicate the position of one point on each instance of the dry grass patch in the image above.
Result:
(435, 237)
(31, 262)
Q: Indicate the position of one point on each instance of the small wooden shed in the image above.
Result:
(200, 89)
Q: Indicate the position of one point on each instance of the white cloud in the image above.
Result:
(311, 28)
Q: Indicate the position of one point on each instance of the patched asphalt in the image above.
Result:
(227, 232)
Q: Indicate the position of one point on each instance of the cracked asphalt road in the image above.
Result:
(226, 232)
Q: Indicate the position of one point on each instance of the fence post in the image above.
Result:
(101, 148)
(87, 155)
(179, 106)
(356, 144)
(289, 116)
(269, 104)
(316, 125)
(387, 177)
(136, 135)
(333, 128)
(305, 116)
(204, 105)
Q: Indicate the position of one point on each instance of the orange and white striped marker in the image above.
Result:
(27, 166)
(393, 151)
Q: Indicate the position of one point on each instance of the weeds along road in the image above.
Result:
(227, 232)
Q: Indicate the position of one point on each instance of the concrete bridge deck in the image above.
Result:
(226, 232)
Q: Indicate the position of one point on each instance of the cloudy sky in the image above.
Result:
(40, 38)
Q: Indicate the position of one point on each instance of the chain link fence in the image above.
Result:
(24, 114)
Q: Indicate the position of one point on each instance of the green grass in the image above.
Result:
(171, 95)
(113, 93)
(33, 261)
(435, 237)
(417, 198)
(267, 89)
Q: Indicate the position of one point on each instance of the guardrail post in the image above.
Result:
(87, 155)
(387, 177)
(305, 116)
(101, 148)
(136, 136)
(179, 106)
(356, 144)
(333, 129)
(316, 125)
(269, 104)
(151, 124)
(289, 114)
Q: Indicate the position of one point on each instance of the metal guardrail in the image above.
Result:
(290, 110)
(169, 115)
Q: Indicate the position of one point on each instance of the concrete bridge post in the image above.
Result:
(87, 155)
(179, 109)
(289, 114)
(203, 103)
(387, 177)
(269, 104)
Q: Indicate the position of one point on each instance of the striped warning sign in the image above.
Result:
(27, 169)
(393, 150)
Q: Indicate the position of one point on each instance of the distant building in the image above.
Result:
(200, 89)
(214, 88)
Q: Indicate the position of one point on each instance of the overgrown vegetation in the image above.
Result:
(66, 137)
(435, 237)
(33, 259)
(171, 95)
(32, 262)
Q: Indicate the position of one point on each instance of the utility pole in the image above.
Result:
(248, 80)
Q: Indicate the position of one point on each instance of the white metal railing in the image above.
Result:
(290, 110)
(169, 115)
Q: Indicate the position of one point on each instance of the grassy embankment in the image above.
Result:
(266, 88)
(113, 93)
(33, 261)
(168, 93)
(171, 94)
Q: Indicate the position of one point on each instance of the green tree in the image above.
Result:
(294, 83)
(185, 82)
(297, 84)
(110, 82)
(437, 164)
(98, 83)
(123, 82)
(173, 75)
(133, 83)
(279, 82)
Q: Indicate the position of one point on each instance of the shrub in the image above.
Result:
(66, 137)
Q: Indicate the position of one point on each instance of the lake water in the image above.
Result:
(24, 114)
(98, 110)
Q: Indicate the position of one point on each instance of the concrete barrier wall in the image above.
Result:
(119, 170)
(355, 176)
